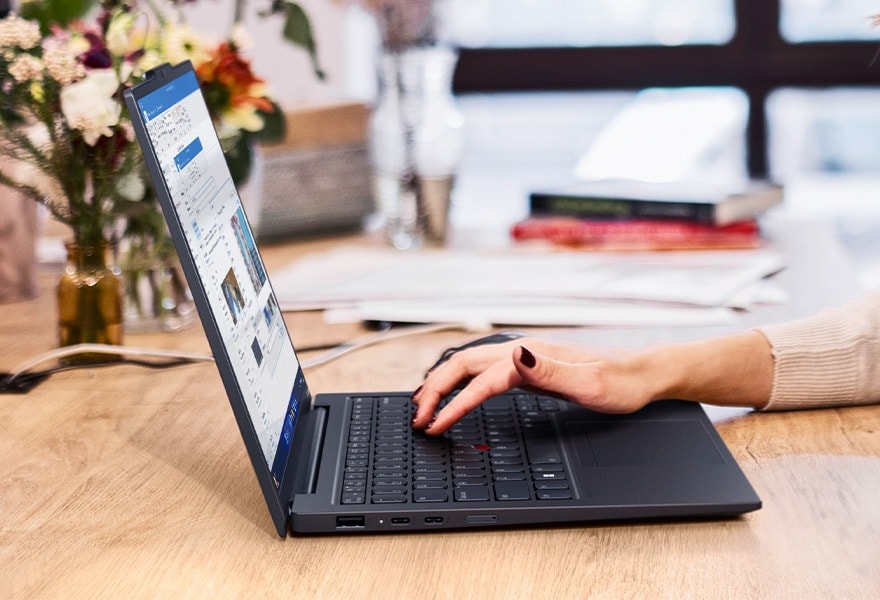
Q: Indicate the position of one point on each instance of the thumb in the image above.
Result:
(546, 373)
(577, 382)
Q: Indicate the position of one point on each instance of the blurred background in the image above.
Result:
(676, 89)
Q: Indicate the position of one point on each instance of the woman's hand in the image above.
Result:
(733, 370)
(600, 379)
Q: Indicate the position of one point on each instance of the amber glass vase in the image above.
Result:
(89, 299)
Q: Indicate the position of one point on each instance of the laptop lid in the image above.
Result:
(237, 306)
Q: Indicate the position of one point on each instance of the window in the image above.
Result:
(757, 46)
(580, 23)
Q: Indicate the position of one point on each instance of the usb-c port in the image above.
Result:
(433, 520)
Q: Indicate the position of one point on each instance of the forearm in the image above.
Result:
(733, 370)
(829, 359)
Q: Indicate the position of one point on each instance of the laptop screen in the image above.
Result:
(240, 300)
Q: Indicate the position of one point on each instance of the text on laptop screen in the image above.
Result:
(241, 301)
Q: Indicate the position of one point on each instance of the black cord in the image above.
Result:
(24, 382)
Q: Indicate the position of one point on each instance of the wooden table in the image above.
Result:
(128, 482)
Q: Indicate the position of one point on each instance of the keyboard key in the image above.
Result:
(512, 490)
(389, 490)
(462, 467)
(497, 403)
(547, 476)
(471, 493)
(430, 495)
(550, 468)
(542, 450)
(551, 485)
(391, 451)
(390, 473)
(508, 468)
(353, 498)
(461, 475)
(548, 404)
(391, 401)
(431, 485)
(505, 461)
(504, 453)
(388, 499)
(397, 483)
(429, 469)
(554, 494)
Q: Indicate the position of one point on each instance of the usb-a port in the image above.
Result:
(350, 521)
(400, 520)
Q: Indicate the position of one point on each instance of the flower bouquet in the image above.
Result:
(68, 143)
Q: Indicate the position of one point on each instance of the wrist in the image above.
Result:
(733, 370)
(659, 373)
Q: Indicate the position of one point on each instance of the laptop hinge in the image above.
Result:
(306, 477)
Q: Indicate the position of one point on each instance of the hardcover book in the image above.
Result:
(622, 200)
(637, 234)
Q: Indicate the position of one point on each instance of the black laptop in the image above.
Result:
(348, 462)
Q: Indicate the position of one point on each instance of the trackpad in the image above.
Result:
(628, 442)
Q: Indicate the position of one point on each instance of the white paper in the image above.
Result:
(351, 276)
(537, 312)
(527, 288)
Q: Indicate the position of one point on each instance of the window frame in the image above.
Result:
(756, 60)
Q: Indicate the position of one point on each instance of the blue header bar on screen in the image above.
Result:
(165, 97)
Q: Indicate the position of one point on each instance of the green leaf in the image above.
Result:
(298, 31)
(274, 126)
(238, 157)
(62, 12)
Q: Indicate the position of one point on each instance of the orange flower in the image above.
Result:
(230, 84)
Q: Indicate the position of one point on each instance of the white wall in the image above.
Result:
(286, 68)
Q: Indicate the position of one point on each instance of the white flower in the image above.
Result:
(26, 68)
(27, 173)
(131, 186)
(241, 37)
(39, 135)
(19, 33)
(243, 117)
(150, 60)
(61, 62)
(119, 34)
(89, 105)
(181, 43)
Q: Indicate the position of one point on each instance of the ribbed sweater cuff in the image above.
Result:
(819, 361)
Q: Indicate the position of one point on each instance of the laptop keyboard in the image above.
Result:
(483, 457)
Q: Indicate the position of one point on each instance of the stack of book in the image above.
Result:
(645, 216)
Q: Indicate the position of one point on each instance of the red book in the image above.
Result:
(637, 234)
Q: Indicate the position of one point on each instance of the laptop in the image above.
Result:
(348, 462)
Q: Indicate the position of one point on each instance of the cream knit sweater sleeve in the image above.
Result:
(830, 359)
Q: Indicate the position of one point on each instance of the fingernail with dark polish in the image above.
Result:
(416, 393)
(431, 422)
(526, 357)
